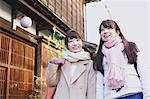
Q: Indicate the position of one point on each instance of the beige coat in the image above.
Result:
(81, 86)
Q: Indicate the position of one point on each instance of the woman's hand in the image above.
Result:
(59, 61)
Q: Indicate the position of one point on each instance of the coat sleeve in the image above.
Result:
(52, 74)
(91, 87)
(99, 86)
(144, 72)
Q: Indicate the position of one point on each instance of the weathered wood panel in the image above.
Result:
(58, 8)
(3, 76)
(64, 10)
(69, 11)
(44, 56)
(18, 58)
(52, 4)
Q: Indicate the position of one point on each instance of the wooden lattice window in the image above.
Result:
(3, 76)
(22, 71)
(18, 58)
(4, 49)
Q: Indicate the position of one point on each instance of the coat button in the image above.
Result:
(60, 86)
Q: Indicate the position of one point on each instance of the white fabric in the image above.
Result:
(72, 69)
(132, 85)
(74, 57)
(99, 86)
(144, 72)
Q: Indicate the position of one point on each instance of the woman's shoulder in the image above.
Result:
(91, 61)
(133, 45)
(88, 61)
(99, 75)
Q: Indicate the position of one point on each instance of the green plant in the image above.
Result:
(36, 94)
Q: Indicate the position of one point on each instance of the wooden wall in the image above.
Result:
(69, 11)
(3, 76)
(44, 56)
(16, 68)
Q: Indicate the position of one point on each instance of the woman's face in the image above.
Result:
(75, 45)
(108, 33)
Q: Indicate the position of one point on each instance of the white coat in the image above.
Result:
(133, 84)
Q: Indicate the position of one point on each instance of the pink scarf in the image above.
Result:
(112, 49)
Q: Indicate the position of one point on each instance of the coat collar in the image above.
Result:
(81, 67)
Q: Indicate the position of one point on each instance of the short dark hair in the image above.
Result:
(70, 35)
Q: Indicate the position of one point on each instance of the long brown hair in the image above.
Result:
(130, 48)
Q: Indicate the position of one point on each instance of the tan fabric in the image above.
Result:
(52, 75)
(81, 86)
(50, 93)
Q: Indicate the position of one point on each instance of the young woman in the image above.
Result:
(119, 73)
(74, 74)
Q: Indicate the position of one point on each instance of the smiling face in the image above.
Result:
(108, 33)
(108, 29)
(75, 45)
(73, 41)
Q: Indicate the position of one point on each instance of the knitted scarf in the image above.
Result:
(74, 57)
(112, 49)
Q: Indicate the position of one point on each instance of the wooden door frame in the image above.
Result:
(5, 80)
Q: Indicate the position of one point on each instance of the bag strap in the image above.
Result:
(135, 66)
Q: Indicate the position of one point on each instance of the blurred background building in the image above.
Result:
(26, 40)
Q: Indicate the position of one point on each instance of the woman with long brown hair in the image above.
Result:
(119, 72)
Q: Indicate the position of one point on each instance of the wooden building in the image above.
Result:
(23, 51)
